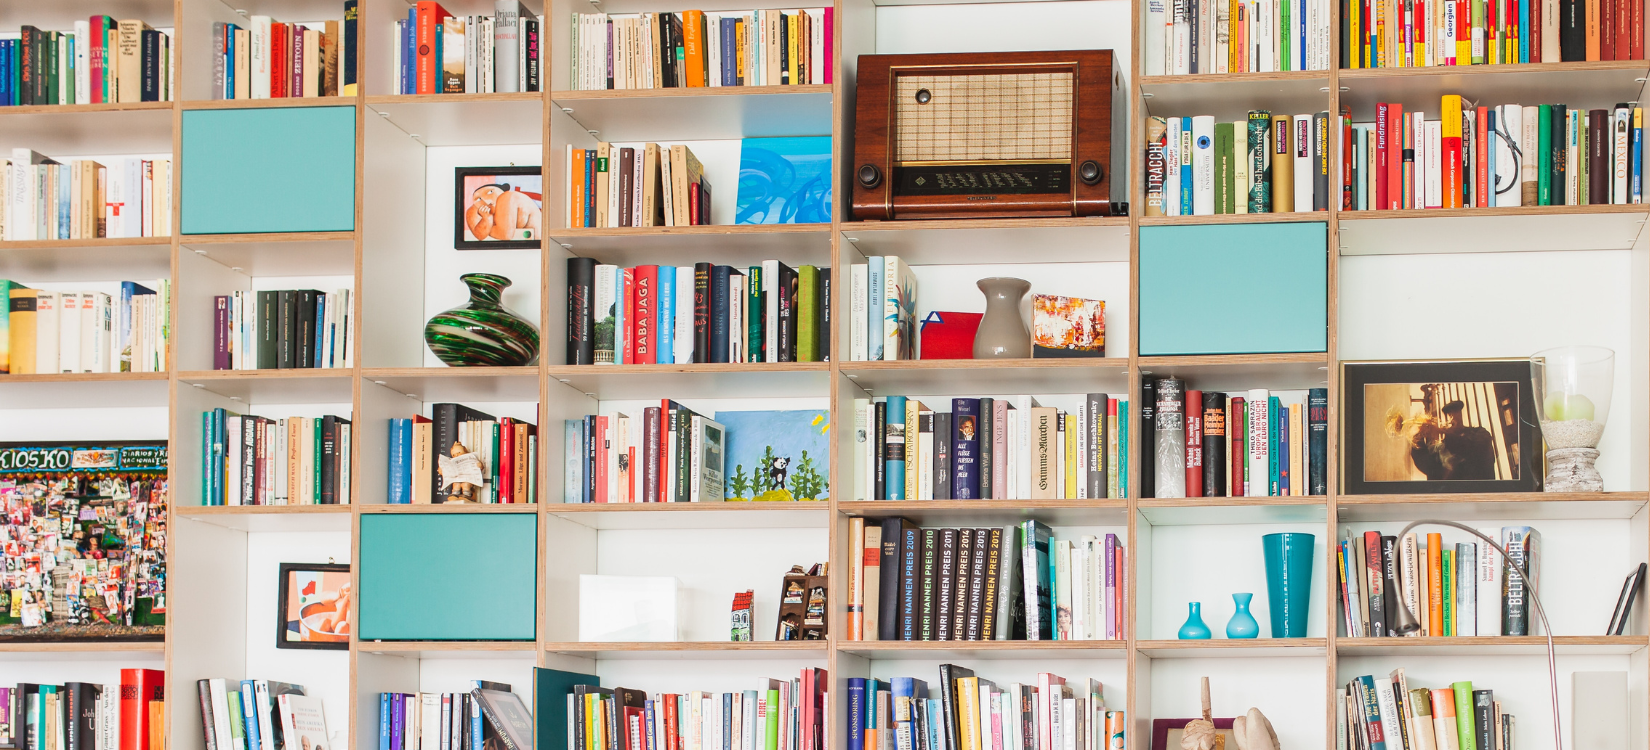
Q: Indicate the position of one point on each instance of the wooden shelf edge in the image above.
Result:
(918, 225)
(983, 364)
(1490, 641)
(700, 229)
(1235, 78)
(711, 507)
(74, 109)
(981, 505)
(525, 647)
(574, 95)
(266, 237)
(253, 510)
(511, 96)
(1494, 497)
(1232, 644)
(295, 373)
(449, 372)
(1232, 502)
(83, 377)
(1207, 219)
(1285, 358)
(460, 508)
(277, 103)
(1108, 645)
(81, 647)
(684, 646)
(1494, 212)
(1352, 74)
(690, 369)
(95, 242)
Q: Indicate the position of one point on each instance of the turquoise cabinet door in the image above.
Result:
(286, 169)
(448, 576)
(1234, 289)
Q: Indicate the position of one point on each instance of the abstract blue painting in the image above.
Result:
(777, 455)
(784, 180)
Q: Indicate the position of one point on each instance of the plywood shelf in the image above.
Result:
(1233, 648)
(1076, 239)
(975, 377)
(1584, 84)
(73, 130)
(1491, 230)
(1267, 218)
(701, 113)
(271, 518)
(1205, 511)
(1107, 512)
(464, 119)
(1229, 96)
(692, 650)
(1237, 372)
(459, 508)
(1491, 506)
(83, 389)
(703, 380)
(711, 515)
(291, 101)
(520, 384)
(985, 650)
(738, 245)
(291, 386)
(1514, 645)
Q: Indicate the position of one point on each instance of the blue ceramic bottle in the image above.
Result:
(1242, 624)
(1194, 629)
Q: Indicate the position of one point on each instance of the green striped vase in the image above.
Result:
(482, 333)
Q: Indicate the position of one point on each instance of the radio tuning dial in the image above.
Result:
(1090, 172)
(869, 176)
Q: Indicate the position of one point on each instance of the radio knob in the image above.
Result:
(1090, 172)
(869, 176)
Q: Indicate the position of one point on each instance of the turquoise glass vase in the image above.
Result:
(1242, 624)
(482, 333)
(1194, 629)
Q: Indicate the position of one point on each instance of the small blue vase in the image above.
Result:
(1242, 624)
(1194, 629)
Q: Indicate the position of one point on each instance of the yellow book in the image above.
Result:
(1356, 57)
(968, 713)
(1233, 49)
(1070, 449)
(21, 334)
(1283, 165)
(790, 49)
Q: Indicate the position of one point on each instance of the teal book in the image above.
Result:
(894, 439)
(553, 699)
(1273, 429)
(1053, 588)
(1039, 590)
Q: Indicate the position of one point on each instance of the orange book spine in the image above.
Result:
(1450, 126)
(693, 45)
(576, 190)
(1435, 584)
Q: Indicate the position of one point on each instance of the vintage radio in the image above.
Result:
(1003, 134)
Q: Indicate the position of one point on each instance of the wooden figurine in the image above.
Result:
(461, 475)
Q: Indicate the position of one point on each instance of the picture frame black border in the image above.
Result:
(459, 243)
(280, 604)
(1356, 375)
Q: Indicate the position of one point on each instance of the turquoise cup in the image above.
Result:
(1289, 581)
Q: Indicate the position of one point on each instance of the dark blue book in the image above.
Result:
(965, 448)
(856, 713)
(590, 458)
(730, 54)
(400, 479)
(888, 596)
(721, 278)
(1317, 441)
(409, 53)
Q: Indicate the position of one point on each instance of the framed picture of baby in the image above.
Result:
(498, 208)
(315, 607)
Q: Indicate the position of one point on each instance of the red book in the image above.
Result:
(1394, 157)
(1373, 580)
(1623, 28)
(1481, 159)
(138, 688)
(663, 454)
(95, 56)
(506, 459)
(1235, 454)
(1635, 30)
(630, 316)
(1450, 146)
(296, 89)
(1382, 137)
(633, 729)
(693, 204)
(1194, 443)
(647, 281)
(1419, 33)
(427, 68)
(1607, 29)
(672, 738)
(1534, 33)
(277, 60)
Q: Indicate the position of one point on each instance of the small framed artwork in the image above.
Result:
(1439, 427)
(315, 606)
(1166, 734)
(498, 208)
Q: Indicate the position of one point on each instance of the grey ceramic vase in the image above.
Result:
(1003, 333)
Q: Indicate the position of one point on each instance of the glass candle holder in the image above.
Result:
(1572, 389)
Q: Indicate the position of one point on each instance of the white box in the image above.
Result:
(628, 608)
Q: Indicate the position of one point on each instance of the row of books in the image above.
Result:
(694, 314)
(1507, 155)
(489, 716)
(1007, 583)
(1372, 713)
(1265, 163)
(776, 715)
(259, 715)
(1425, 33)
(268, 59)
(636, 186)
(1011, 448)
(283, 329)
(670, 454)
(1237, 36)
(86, 715)
(694, 48)
(972, 713)
(1211, 444)
(461, 455)
(440, 53)
(882, 310)
(44, 199)
(253, 460)
(63, 331)
(1462, 588)
(102, 61)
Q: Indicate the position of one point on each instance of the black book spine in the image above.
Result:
(684, 457)
(650, 454)
(1317, 441)
(329, 460)
(925, 601)
(589, 458)
(910, 551)
(1572, 39)
(535, 52)
(443, 432)
(269, 335)
(1320, 169)
(720, 281)
(151, 65)
(784, 50)
(889, 596)
(992, 609)
(286, 339)
(787, 288)
(701, 313)
(1560, 144)
(988, 456)
(942, 456)
(823, 315)
(946, 587)
(70, 698)
(26, 65)
(952, 730)
(1390, 577)
(1012, 602)
(1483, 710)
(581, 311)
(1214, 444)
(1148, 431)
(959, 597)
(1094, 460)
(976, 584)
(667, 51)
(879, 455)
(305, 354)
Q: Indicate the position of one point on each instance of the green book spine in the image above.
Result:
(1446, 572)
(1464, 713)
(1224, 168)
(1544, 150)
(772, 740)
(755, 308)
(807, 323)
(54, 82)
(315, 465)
(1285, 35)
(1260, 162)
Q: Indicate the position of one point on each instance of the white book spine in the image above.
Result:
(260, 56)
(95, 351)
(1203, 165)
(858, 278)
(1223, 37)
(1304, 168)
(1259, 452)
(925, 459)
(1435, 178)
(46, 315)
(82, 62)
(1489, 585)
(736, 318)
(1388, 709)
(770, 323)
(862, 479)
(68, 332)
(1171, 166)
(1619, 154)
(682, 340)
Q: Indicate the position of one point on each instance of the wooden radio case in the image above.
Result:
(1001, 134)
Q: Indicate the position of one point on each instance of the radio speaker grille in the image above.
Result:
(1013, 117)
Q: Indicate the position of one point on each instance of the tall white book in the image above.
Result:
(46, 316)
(1622, 125)
(1509, 129)
(1203, 165)
(1305, 165)
(1180, 37)
(1171, 166)
(857, 279)
(682, 338)
(1488, 576)
(1156, 20)
(1260, 469)
(68, 332)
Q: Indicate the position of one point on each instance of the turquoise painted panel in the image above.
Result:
(287, 169)
(1234, 289)
(448, 576)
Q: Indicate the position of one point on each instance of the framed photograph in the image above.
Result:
(314, 607)
(498, 208)
(1166, 734)
(1439, 427)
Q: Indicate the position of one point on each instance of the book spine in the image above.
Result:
(701, 313)
(1317, 441)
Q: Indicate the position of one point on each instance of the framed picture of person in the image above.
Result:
(498, 208)
(315, 606)
(1439, 427)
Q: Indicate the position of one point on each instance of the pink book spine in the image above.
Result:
(999, 447)
(830, 43)
(1111, 586)
(997, 710)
